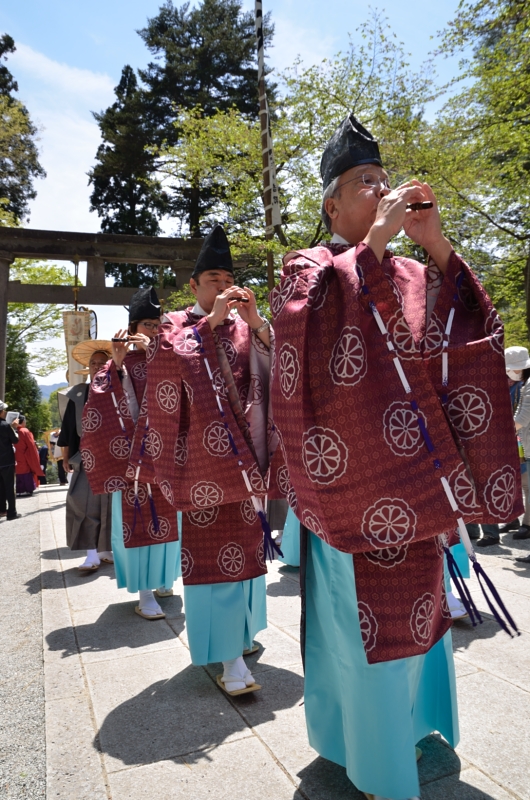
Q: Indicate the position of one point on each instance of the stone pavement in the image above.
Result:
(128, 717)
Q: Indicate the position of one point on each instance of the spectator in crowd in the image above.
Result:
(88, 516)
(43, 459)
(28, 468)
(520, 363)
(58, 455)
(8, 440)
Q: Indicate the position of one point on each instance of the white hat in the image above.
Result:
(516, 358)
(3, 405)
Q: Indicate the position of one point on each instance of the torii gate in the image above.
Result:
(95, 249)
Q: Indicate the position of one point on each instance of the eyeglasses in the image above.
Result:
(368, 179)
(151, 326)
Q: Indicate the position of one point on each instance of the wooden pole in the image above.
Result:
(5, 263)
(270, 191)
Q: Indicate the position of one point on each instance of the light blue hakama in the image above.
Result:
(290, 545)
(459, 554)
(139, 568)
(223, 618)
(368, 717)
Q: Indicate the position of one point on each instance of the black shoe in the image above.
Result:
(522, 533)
(510, 526)
(525, 560)
(17, 516)
(487, 541)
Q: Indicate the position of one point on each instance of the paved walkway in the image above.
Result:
(128, 717)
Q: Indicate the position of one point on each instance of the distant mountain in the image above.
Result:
(47, 389)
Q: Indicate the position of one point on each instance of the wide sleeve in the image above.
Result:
(68, 426)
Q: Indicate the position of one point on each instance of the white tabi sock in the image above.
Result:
(92, 559)
(236, 674)
(148, 604)
(456, 607)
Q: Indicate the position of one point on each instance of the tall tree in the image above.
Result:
(483, 136)
(125, 194)
(19, 163)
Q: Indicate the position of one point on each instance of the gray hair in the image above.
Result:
(332, 190)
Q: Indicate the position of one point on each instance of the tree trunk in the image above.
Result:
(527, 294)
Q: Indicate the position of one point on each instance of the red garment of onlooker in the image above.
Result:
(27, 458)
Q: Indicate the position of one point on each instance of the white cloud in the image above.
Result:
(61, 78)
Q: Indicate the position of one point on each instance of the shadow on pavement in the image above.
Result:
(116, 628)
(285, 587)
(187, 714)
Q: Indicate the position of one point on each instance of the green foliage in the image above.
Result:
(53, 406)
(22, 392)
(19, 163)
(33, 323)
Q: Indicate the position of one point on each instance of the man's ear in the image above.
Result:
(330, 207)
(193, 286)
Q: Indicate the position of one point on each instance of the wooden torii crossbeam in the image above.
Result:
(94, 248)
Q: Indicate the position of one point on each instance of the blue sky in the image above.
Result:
(70, 55)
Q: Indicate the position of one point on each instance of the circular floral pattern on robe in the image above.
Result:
(434, 336)
(260, 555)
(143, 407)
(368, 625)
(153, 444)
(318, 288)
(421, 618)
(167, 396)
(205, 494)
(115, 484)
(243, 394)
(127, 532)
(313, 524)
(402, 337)
(495, 329)
(167, 491)
(152, 349)
(130, 495)
(185, 343)
(219, 383)
(204, 517)
(324, 454)
(283, 480)
(388, 557)
(164, 529)
(92, 420)
(348, 362)
(292, 499)
(396, 290)
(463, 489)
(434, 276)
(258, 345)
(256, 389)
(230, 350)
(390, 521)
(216, 440)
(130, 472)
(102, 380)
(189, 391)
(401, 430)
(289, 369)
(256, 480)
(123, 407)
(248, 512)
(231, 559)
(119, 447)
(444, 605)
(499, 492)
(281, 294)
(181, 449)
(88, 459)
(186, 563)
(469, 410)
(139, 371)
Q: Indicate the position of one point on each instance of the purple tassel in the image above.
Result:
(137, 511)
(461, 588)
(154, 514)
(425, 434)
(481, 574)
(270, 548)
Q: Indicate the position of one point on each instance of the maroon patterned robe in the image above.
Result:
(116, 450)
(365, 456)
(208, 419)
